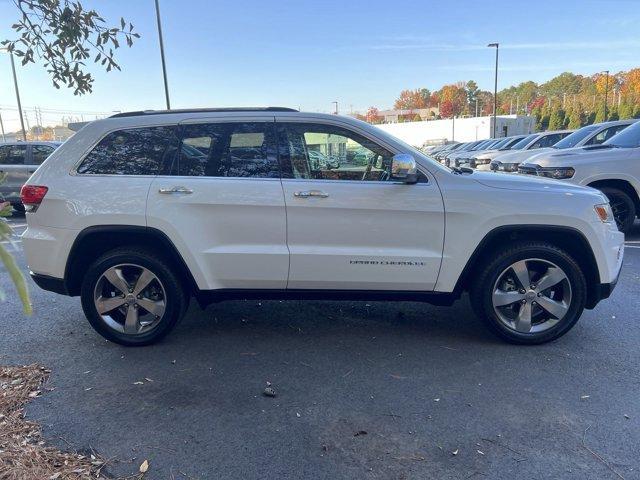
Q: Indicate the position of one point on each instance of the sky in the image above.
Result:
(307, 54)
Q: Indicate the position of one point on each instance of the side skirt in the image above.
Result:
(206, 297)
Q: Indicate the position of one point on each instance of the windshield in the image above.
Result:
(501, 143)
(511, 143)
(524, 142)
(627, 138)
(572, 140)
(481, 145)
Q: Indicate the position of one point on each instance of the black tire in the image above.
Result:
(623, 206)
(488, 273)
(175, 298)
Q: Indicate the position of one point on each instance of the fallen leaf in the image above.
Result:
(144, 466)
(360, 432)
(138, 383)
(269, 392)
(584, 397)
(455, 452)
(480, 452)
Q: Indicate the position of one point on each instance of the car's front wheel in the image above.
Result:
(623, 207)
(132, 297)
(531, 293)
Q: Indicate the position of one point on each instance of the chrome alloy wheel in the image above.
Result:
(531, 296)
(130, 299)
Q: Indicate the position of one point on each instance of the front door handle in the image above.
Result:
(172, 190)
(311, 193)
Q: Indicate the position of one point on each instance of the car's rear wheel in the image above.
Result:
(532, 293)
(132, 297)
(623, 207)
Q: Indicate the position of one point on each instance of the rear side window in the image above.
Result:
(13, 154)
(239, 149)
(136, 151)
(39, 153)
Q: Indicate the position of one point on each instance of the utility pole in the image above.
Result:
(495, 90)
(4, 139)
(15, 84)
(335, 112)
(164, 65)
(476, 107)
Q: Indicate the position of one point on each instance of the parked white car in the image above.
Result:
(484, 157)
(524, 149)
(142, 211)
(613, 168)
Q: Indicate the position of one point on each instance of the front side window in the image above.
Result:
(547, 140)
(606, 134)
(326, 152)
(628, 138)
(13, 154)
(241, 149)
(524, 142)
(136, 151)
(39, 153)
(573, 139)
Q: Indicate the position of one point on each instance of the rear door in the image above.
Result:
(12, 169)
(352, 227)
(222, 204)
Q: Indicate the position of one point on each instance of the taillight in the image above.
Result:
(32, 195)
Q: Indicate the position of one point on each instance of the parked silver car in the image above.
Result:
(18, 160)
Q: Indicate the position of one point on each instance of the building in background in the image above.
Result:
(459, 129)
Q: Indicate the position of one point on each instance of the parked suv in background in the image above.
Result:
(18, 160)
(484, 158)
(140, 212)
(612, 167)
(524, 149)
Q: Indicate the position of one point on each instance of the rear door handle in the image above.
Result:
(172, 190)
(311, 193)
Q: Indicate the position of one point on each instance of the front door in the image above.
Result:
(222, 204)
(349, 225)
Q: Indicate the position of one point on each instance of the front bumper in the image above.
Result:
(50, 284)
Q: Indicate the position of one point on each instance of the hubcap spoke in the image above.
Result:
(522, 272)
(145, 278)
(104, 305)
(502, 298)
(154, 307)
(555, 308)
(114, 275)
(553, 277)
(131, 323)
(523, 322)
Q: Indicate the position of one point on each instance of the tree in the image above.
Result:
(575, 120)
(556, 119)
(472, 90)
(600, 117)
(626, 111)
(413, 99)
(64, 36)
(453, 99)
(373, 115)
(8, 261)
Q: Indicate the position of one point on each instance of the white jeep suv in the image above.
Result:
(140, 212)
(612, 167)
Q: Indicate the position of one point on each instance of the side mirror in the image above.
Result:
(403, 168)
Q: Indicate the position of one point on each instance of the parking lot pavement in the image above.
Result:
(437, 396)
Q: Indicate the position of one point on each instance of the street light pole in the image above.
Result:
(336, 110)
(606, 93)
(15, 85)
(164, 65)
(495, 90)
(4, 139)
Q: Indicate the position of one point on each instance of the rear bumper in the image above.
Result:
(50, 284)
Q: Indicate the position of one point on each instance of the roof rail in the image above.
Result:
(203, 110)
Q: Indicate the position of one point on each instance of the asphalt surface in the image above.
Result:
(437, 395)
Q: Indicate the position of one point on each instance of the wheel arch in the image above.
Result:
(620, 184)
(567, 238)
(97, 240)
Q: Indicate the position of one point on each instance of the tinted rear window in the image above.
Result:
(136, 151)
(13, 154)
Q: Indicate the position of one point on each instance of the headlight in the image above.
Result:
(604, 212)
(510, 167)
(479, 161)
(556, 172)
